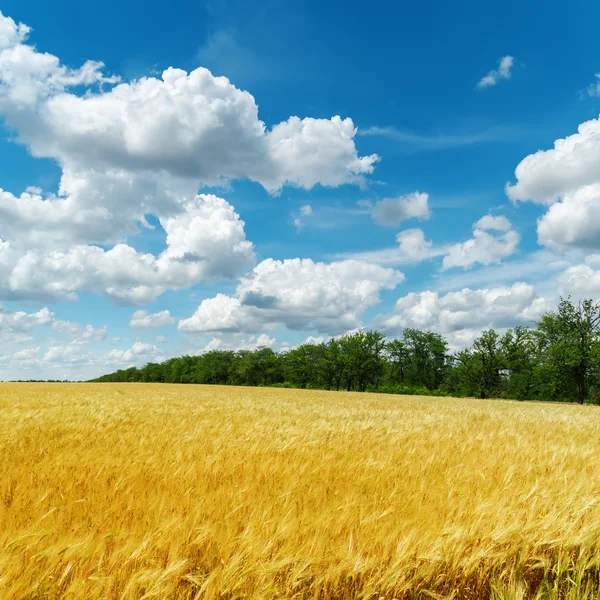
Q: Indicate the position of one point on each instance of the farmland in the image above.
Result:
(171, 491)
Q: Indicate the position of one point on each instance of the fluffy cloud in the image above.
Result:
(392, 211)
(187, 124)
(142, 319)
(484, 247)
(413, 246)
(139, 354)
(572, 222)
(20, 321)
(503, 71)
(565, 178)
(73, 353)
(79, 333)
(300, 294)
(205, 242)
(547, 175)
(129, 149)
(462, 315)
(582, 280)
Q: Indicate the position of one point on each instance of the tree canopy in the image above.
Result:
(556, 359)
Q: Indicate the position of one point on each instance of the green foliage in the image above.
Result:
(559, 360)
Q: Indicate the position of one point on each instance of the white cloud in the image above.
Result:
(594, 88)
(413, 247)
(392, 211)
(11, 33)
(251, 343)
(420, 142)
(300, 294)
(311, 340)
(205, 242)
(216, 344)
(308, 151)
(462, 315)
(90, 332)
(547, 175)
(503, 71)
(484, 247)
(492, 223)
(187, 124)
(305, 211)
(143, 147)
(20, 321)
(79, 333)
(582, 280)
(142, 319)
(222, 313)
(139, 354)
(73, 353)
(572, 222)
(161, 339)
(260, 341)
(567, 180)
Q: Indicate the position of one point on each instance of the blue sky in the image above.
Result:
(351, 172)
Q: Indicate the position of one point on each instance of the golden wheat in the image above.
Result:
(149, 491)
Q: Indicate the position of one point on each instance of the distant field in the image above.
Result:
(151, 491)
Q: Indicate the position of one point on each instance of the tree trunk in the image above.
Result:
(581, 388)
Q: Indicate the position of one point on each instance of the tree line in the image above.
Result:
(557, 359)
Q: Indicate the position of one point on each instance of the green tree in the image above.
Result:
(570, 340)
(519, 347)
(480, 367)
(397, 357)
(427, 358)
(363, 358)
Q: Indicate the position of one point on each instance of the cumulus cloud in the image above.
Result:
(188, 124)
(547, 175)
(129, 149)
(572, 222)
(390, 212)
(503, 71)
(484, 247)
(21, 321)
(142, 319)
(139, 354)
(205, 242)
(567, 180)
(73, 353)
(581, 280)
(413, 247)
(79, 333)
(462, 315)
(298, 293)
(257, 341)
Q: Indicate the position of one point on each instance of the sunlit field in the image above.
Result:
(157, 491)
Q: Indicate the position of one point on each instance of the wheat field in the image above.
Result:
(122, 491)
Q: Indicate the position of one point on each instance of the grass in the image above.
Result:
(122, 491)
